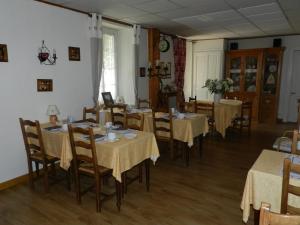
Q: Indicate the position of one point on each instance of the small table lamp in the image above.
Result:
(52, 112)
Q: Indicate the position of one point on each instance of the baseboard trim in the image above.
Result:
(14, 182)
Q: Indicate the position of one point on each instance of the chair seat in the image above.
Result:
(37, 156)
(87, 168)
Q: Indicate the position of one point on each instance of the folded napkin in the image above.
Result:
(54, 128)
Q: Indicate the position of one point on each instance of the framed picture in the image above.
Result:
(165, 69)
(107, 98)
(44, 85)
(74, 54)
(3, 53)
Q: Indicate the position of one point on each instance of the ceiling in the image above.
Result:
(201, 19)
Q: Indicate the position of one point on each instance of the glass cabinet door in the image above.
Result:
(251, 63)
(270, 74)
(235, 72)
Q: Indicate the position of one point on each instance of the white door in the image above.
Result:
(206, 65)
(295, 87)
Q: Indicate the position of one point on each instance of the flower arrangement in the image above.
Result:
(218, 86)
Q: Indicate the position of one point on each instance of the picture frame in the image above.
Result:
(3, 53)
(107, 99)
(44, 85)
(74, 54)
(165, 69)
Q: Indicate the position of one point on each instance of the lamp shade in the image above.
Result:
(52, 110)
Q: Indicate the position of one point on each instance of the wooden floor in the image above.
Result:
(208, 192)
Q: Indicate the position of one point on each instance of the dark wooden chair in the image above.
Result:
(35, 151)
(144, 104)
(117, 113)
(134, 121)
(91, 111)
(244, 121)
(288, 188)
(163, 131)
(269, 218)
(191, 99)
(87, 164)
(207, 108)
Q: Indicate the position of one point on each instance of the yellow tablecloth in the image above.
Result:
(264, 183)
(119, 156)
(183, 129)
(224, 114)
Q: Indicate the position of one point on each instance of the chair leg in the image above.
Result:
(37, 168)
(98, 194)
(118, 194)
(53, 169)
(140, 173)
(147, 168)
(30, 172)
(77, 185)
(186, 150)
(46, 181)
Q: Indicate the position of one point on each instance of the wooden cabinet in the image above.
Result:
(270, 89)
(244, 67)
(256, 77)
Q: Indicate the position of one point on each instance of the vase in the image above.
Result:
(217, 97)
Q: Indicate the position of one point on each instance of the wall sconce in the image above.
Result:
(45, 57)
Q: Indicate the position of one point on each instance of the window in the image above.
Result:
(109, 76)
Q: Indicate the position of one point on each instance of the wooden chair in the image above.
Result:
(284, 143)
(190, 107)
(163, 131)
(208, 109)
(244, 121)
(269, 218)
(191, 99)
(117, 113)
(288, 188)
(94, 112)
(134, 121)
(35, 151)
(144, 104)
(295, 142)
(87, 163)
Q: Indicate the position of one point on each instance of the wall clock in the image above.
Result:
(164, 45)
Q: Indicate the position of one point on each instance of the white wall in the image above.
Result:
(24, 24)
(143, 82)
(287, 102)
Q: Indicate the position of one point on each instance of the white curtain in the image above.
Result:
(188, 74)
(96, 53)
(137, 37)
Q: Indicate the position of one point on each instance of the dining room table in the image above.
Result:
(120, 155)
(264, 184)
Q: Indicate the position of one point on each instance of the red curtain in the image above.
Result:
(179, 45)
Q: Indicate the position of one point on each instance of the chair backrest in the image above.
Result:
(191, 99)
(118, 116)
(144, 104)
(206, 108)
(32, 136)
(134, 121)
(77, 142)
(287, 188)
(246, 110)
(269, 218)
(295, 141)
(94, 112)
(162, 125)
(190, 107)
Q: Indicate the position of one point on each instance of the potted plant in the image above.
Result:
(218, 87)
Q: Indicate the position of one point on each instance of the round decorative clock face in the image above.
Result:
(164, 45)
